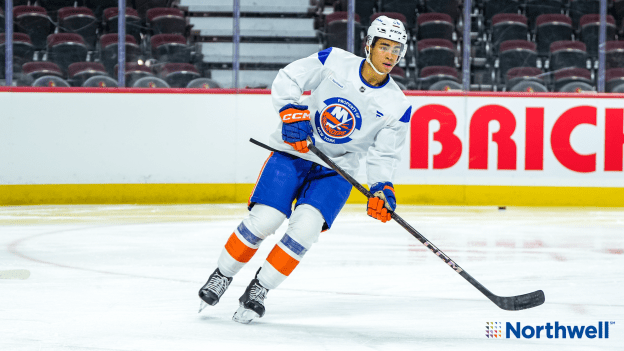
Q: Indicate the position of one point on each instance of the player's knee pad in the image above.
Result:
(305, 225)
(263, 221)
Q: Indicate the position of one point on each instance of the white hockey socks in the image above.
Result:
(304, 228)
(245, 240)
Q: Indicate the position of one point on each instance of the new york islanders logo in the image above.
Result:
(337, 120)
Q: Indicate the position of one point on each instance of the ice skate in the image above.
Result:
(251, 303)
(214, 288)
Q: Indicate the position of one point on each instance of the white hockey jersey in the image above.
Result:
(350, 117)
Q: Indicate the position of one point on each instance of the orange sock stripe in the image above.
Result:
(259, 175)
(238, 250)
(280, 260)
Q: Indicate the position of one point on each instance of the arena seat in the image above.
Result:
(23, 50)
(179, 75)
(163, 20)
(109, 50)
(144, 5)
(614, 54)
(150, 82)
(435, 26)
(365, 9)
(516, 53)
(134, 72)
(79, 20)
(433, 74)
(38, 69)
(566, 54)
(98, 6)
(2, 25)
(407, 8)
(614, 78)
(551, 28)
(494, 7)
(79, 72)
(590, 30)
(398, 75)
(53, 6)
(536, 8)
(529, 86)
(518, 75)
(572, 75)
(66, 48)
(170, 48)
(580, 8)
(34, 21)
(50, 82)
(133, 22)
(435, 52)
(445, 85)
(336, 30)
(100, 82)
(203, 83)
(506, 26)
(450, 7)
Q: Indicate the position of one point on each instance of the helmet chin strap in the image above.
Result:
(371, 64)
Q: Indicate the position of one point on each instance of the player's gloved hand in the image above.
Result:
(383, 202)
(296, 127)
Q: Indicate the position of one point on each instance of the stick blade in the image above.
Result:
(520, 302)
(15, 274)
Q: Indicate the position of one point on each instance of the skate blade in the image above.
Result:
(202, 305)
(243, 315)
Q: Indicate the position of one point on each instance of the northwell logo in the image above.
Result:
(493, 330)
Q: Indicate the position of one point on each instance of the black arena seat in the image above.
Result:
(614, 79)
(134, 72)
(100, 82)
(109, 50)
(516, 53)
(433, 74)
(435, 25)
(336, 30)
(590, 31)
(34, 21)
(407, 8)
(79, 72)
(133, 22)
(23, 51)
(519, 75)
(506, 26)
(203, 83)
(614, 54)
(580, 8)
(450, 7)
(66, 48)
(50, 82)
(31, 71)
(551, 28)
(166, 20)
(536, 8)
(179, 75)
(436, 52)
(79, 20)
(150, 82)
(170, 48)
(53, 6)
(2, 25)
(564, 77)
(495, 7)
(566, 54)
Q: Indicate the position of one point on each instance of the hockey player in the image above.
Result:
(355, 109)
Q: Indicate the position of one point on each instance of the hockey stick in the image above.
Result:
(509, 303)
(15, 274)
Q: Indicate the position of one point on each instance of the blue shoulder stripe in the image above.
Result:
(407, 115)
(322, 55)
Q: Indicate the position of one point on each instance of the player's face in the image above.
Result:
(385, 54)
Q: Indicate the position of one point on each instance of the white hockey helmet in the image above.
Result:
(388, 28)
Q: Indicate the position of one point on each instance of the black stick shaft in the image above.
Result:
(508, 303)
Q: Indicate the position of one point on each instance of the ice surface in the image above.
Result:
(127, 277)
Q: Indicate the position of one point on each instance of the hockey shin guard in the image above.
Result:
(245, 240)
(304, 228)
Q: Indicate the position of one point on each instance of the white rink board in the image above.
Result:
(108, 138)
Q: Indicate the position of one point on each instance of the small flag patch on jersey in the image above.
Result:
(379, 114)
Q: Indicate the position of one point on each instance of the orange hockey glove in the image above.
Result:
(296, 127)
(383, 201)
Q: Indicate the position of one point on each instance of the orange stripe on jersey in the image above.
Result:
(238, 250)
(282, 261)
(259, 175)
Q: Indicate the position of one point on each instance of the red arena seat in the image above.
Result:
(551, 28)
(614, 78)
(79, 72)
(567, 54)
(572, 75)
(435, 25)
(66, 48)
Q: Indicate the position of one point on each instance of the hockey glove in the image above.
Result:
(296, 127)
(383, 201)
